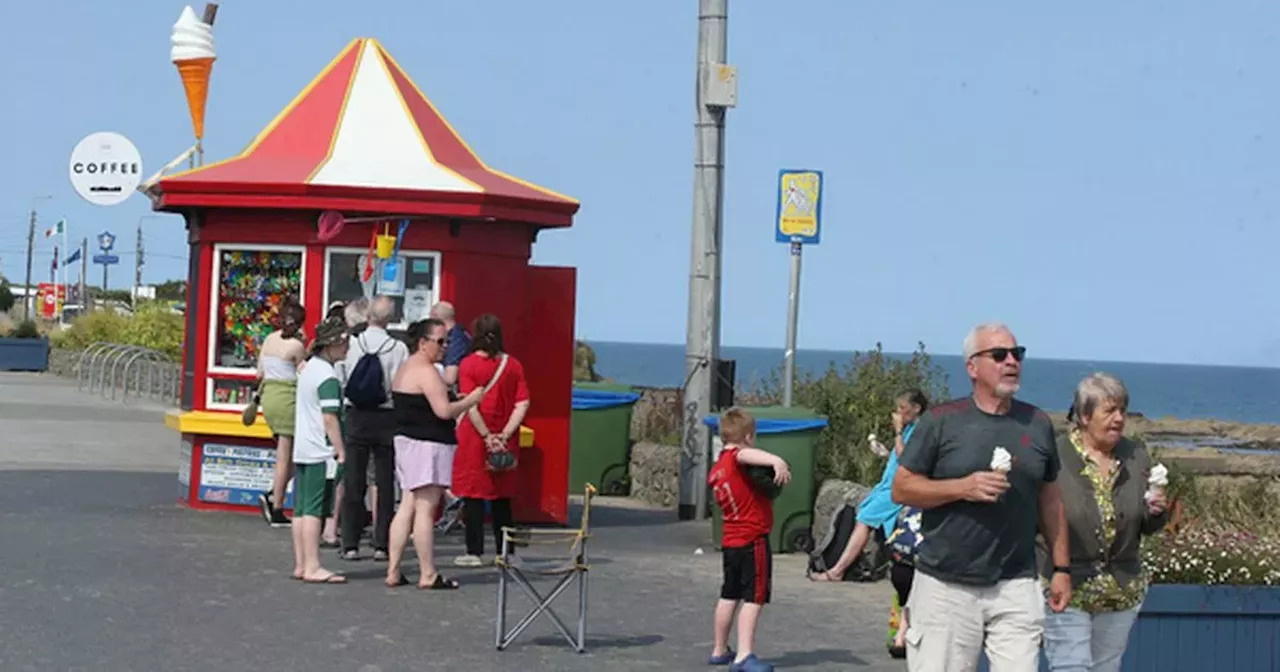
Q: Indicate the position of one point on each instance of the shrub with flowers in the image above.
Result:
(1201, 557)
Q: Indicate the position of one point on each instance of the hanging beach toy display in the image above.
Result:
(386, 243)
(329, 225)
(331, 222)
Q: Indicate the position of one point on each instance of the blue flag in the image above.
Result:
(73, 257)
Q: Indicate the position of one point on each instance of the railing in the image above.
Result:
(113, 371)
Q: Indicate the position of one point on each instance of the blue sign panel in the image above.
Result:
(106, 241)
(106, 259)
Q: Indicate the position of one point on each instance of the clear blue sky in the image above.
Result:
(1101, 176)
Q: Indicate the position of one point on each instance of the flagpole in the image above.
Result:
(62, 307)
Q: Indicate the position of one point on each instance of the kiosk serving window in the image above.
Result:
(412, 283)
(252, 282)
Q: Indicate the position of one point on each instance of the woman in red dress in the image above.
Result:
(491, 427)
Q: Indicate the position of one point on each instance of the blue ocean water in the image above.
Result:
(1239, 394)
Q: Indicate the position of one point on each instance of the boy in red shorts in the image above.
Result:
(748, 519)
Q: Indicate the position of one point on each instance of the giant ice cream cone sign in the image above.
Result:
(192, 53)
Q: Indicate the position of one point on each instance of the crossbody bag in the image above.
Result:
(502, 460)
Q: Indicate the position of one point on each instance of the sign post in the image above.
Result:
(106, 243)
(798, 221)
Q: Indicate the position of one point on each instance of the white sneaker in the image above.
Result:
(468, 561)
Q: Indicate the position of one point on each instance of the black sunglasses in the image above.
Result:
(1001, 354)
(437, 341)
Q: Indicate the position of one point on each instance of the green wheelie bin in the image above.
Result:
(792, 434)
(600, 437)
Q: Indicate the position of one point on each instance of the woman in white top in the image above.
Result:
(279, 357)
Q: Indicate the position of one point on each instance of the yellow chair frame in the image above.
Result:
(571, 571)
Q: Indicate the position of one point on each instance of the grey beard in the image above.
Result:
(1007, 390)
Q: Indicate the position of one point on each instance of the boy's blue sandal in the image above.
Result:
(725, 658)
(751, 664)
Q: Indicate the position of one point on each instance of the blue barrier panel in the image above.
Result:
(1202, 628)
(591, 400)
(24, 354)
(773, 426)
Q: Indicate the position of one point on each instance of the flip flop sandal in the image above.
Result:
(402, 581)
(332, 578)
(441, 583)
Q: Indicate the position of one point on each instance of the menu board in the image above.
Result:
(237, 474)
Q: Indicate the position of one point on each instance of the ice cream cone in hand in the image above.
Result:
(1001, 461)
(193, 53)
(1157, 481)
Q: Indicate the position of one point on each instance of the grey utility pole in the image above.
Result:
(85, 303)
(138, 263)
(31, 250)
(716, 90)
(26, 286)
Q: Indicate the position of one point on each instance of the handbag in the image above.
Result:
(250, 412)
(500, 460)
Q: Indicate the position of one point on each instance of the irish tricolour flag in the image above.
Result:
(57, 229)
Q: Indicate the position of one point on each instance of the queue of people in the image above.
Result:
(360, 414)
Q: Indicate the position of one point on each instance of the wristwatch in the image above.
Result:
(1061, 570)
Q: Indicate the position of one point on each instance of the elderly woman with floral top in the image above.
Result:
(1104, 488)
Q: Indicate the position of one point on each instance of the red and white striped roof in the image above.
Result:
(361, 137)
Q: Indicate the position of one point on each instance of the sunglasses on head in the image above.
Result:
(1001, 354)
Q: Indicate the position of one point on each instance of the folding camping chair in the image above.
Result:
(572, 570)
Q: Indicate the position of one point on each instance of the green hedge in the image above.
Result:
(154, 326)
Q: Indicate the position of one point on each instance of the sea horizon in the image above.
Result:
(932, 353)
(1189, 391)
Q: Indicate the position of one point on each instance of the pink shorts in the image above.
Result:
(423, 463)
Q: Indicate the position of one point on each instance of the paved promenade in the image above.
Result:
(104, 571)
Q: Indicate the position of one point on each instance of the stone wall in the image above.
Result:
(655, 474)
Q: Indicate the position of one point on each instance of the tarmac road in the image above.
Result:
(104, 571)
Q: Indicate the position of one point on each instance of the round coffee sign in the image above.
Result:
(105, 168)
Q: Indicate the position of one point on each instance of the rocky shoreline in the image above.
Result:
(1201, 434)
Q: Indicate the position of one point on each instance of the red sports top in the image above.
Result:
(748, 515)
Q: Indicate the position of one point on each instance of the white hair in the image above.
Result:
(381, 310)
(357, 312)
(971, 341)
(1094, 392)
(443, 311)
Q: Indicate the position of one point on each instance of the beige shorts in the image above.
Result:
(947, 624)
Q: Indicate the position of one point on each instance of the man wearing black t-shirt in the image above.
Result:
(984, 470)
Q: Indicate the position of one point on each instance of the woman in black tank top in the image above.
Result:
(415, 419)
(425, 418)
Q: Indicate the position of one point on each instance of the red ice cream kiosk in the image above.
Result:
(362, 140)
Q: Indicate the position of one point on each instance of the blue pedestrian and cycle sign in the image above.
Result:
(799, 215)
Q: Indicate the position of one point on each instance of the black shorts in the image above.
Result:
(748, 572)
(901, 575)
